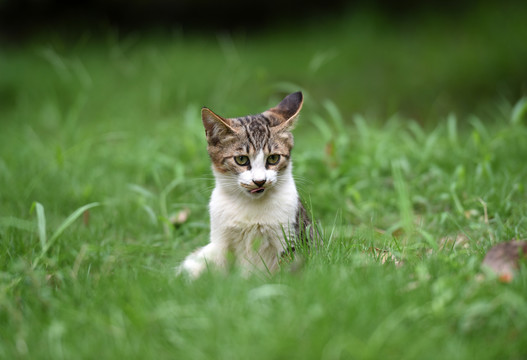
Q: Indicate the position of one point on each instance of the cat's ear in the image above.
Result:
(215, 125)
(286, 112)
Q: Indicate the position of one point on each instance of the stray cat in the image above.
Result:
(255, 212)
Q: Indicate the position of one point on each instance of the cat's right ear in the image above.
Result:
(287, 111)
(215, 125)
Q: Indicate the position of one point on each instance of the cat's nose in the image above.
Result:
(259, 183)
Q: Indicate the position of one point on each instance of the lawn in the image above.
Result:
(413, 166)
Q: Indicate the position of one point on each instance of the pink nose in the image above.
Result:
(259, 183)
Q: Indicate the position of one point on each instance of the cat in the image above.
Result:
(256, 216)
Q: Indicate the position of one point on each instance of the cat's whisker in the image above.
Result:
(302, 179)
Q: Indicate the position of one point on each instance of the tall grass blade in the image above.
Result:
(41, 223)
(519, 111)
(167, 226)
(141, 190)
(335, 115)
(65, 224)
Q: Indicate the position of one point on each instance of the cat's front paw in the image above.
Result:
(191, 267)
(210, 255)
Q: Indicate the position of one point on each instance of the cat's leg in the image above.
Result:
(194, 264)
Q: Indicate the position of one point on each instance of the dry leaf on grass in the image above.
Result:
(504, 258)
(385, 256)
(459, 240)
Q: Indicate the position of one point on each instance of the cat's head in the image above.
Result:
(251, 154)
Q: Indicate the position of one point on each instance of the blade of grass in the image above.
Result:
(519, 111)
(167, 226)
(65, 224)
(41, 224)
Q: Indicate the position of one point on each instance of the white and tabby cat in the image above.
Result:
(255, 211)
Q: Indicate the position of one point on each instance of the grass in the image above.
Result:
(407, 207)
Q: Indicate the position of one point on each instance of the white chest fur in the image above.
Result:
(256, 231)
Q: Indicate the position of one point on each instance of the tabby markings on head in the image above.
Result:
(253, 143)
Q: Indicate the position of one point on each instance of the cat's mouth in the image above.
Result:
(253, 191)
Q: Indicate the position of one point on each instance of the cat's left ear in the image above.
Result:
(216, 127)
(287, 111)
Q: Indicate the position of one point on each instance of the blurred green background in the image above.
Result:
(422, 60)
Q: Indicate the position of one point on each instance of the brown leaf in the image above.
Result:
(504, 258)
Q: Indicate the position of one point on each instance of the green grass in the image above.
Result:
(101, 144)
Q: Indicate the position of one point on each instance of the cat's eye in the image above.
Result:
(242, 160)
(273, 159)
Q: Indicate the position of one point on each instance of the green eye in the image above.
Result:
(241, 160)
(273, 159)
